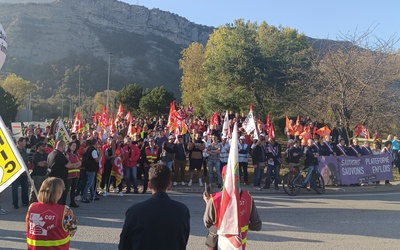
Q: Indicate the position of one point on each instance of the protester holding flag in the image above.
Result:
(231, 212)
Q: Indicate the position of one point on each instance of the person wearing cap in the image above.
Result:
(39, 171)
(249, 219)
(225, 147)
(243, 152)
(168, 151)
(207, 141)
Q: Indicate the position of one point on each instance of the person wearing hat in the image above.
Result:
(243, 152)
(39, 171)
(167, 152)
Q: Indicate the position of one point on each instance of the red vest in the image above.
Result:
(151, 157)
(244, 212)
(73, 172)
(45, 227)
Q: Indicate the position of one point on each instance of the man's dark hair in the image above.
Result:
(159, 177)
(21, 139)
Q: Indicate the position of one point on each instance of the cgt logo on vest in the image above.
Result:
(42, 223)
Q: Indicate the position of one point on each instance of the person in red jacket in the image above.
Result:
(50, 225)
(131, 156)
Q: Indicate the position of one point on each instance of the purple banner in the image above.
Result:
(352, 170)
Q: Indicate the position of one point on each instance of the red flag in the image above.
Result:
(171, 120)
(128, 117)
(113, 129)
(120, 112)
(324, 131)
(117, 170)
(271, 131)
(229, 228)
(104, 118)
(268, 123)
(289, 127)
(215, 119)
(362, 131)
(78, 124)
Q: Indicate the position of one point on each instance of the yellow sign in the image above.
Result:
(11, 162)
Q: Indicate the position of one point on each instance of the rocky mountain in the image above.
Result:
(48, 41)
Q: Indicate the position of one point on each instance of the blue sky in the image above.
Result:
(317, 19)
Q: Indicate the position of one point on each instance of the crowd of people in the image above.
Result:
(196, 156)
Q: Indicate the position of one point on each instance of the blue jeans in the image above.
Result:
(168, 164)
(275, 170)
(310, 170)
(131, 174)
(258, 174)
(89, 184)
(217, 166)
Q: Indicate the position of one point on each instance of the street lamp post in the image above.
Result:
(108, 80)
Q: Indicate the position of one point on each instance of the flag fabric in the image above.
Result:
(62, 133)
(78, 124)
(113, 129)
(128, 117)
(215, 119)
(171, 120)
(11, 163)
(268, 124)
(225, 127)
(117, 169)
(271, 131)
(120, 112)
(249, 124)
(229, 229)
(362, 131)
(288, 127)
(104, 118)
(324, 131)
(100, 171)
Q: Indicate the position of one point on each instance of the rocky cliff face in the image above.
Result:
(48, 38)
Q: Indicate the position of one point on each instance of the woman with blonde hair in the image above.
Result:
(50, 225)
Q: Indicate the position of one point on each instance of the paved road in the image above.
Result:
(337, 220)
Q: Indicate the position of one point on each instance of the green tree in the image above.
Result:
(100, 99)
(193, 81)
(233, 58)
(8, 107)
(18, 87)
(156, 101)
(130, 97)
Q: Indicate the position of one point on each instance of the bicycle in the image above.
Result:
(293, 182)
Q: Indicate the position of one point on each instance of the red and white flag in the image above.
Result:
(120, 112)
(104, 118)
(229, 233)
(78, 124)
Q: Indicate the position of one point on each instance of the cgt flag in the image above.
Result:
(249, 125)
(229, 234)
(78, 124)
(11, 163)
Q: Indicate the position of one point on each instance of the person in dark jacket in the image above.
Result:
(159, 222)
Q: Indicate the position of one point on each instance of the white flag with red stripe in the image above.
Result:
(229, 233)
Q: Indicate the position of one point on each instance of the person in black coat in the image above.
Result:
(159, 222)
